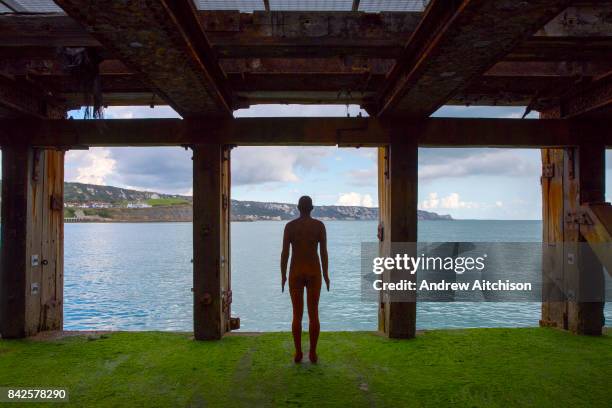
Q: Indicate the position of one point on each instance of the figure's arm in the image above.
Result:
(324, 257)
(284, 258)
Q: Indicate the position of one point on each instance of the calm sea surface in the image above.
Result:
(139, 277)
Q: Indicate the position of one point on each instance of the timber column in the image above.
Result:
(211, 224)
(398, 199)
(573, 280)
(32, 255)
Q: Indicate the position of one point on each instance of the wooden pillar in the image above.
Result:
(554, 301)
(31, 265)
(211, 224)
(571, 177)
(398, 197)
(586, 184)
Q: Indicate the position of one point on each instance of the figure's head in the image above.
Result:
(305, 205)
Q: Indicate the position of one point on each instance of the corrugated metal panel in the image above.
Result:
(374, 6)
(311, 5)
(33, 6)
(245, 6)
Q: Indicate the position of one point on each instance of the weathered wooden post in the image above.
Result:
(571, 178)
(31, 266)
(211, 224)
(398, 198)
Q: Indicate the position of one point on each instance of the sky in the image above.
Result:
(465, 183)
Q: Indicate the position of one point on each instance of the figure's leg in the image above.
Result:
(313, 292)
(296, 290)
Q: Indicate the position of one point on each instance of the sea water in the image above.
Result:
(124, 276)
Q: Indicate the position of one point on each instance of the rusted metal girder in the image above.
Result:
(21, 98)
(455, 42)
(164, 41)
(588, 98)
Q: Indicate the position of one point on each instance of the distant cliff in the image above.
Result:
(249, 209)
(106, 203)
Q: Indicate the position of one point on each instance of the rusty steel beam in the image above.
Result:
(290, 34)
(455, 43)
(588, 20)
(588, 98)
(228, 31)
(432, 132)
(549, 69)
(562, 49)
(21, 98)
(164, 42)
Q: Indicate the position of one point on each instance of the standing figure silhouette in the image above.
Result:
(303, 235)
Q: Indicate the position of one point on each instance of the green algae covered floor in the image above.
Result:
(479, 367)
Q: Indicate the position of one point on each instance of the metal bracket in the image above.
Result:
(234, 323)
(35, 164)
(579, 217)
(226, 300)
(571, 163)
(548, 170)
(57, 202)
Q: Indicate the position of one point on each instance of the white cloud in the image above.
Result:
(499, 162)
(89, 166)
(259, 165)
(355, 199)
(450, 202)
(364, 177)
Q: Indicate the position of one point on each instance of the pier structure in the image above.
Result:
(550, 56)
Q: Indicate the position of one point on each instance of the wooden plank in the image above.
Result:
(383, 222)
(31, 292)
(35, 233)
(164, 42)
(432, 132)
(209, 322)
(554, 305)
(52, 253)
(454, 44)
(226, 279)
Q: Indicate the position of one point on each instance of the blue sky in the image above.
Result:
(466, 183)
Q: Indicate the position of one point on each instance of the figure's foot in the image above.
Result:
(312, 355)
(298, 357)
